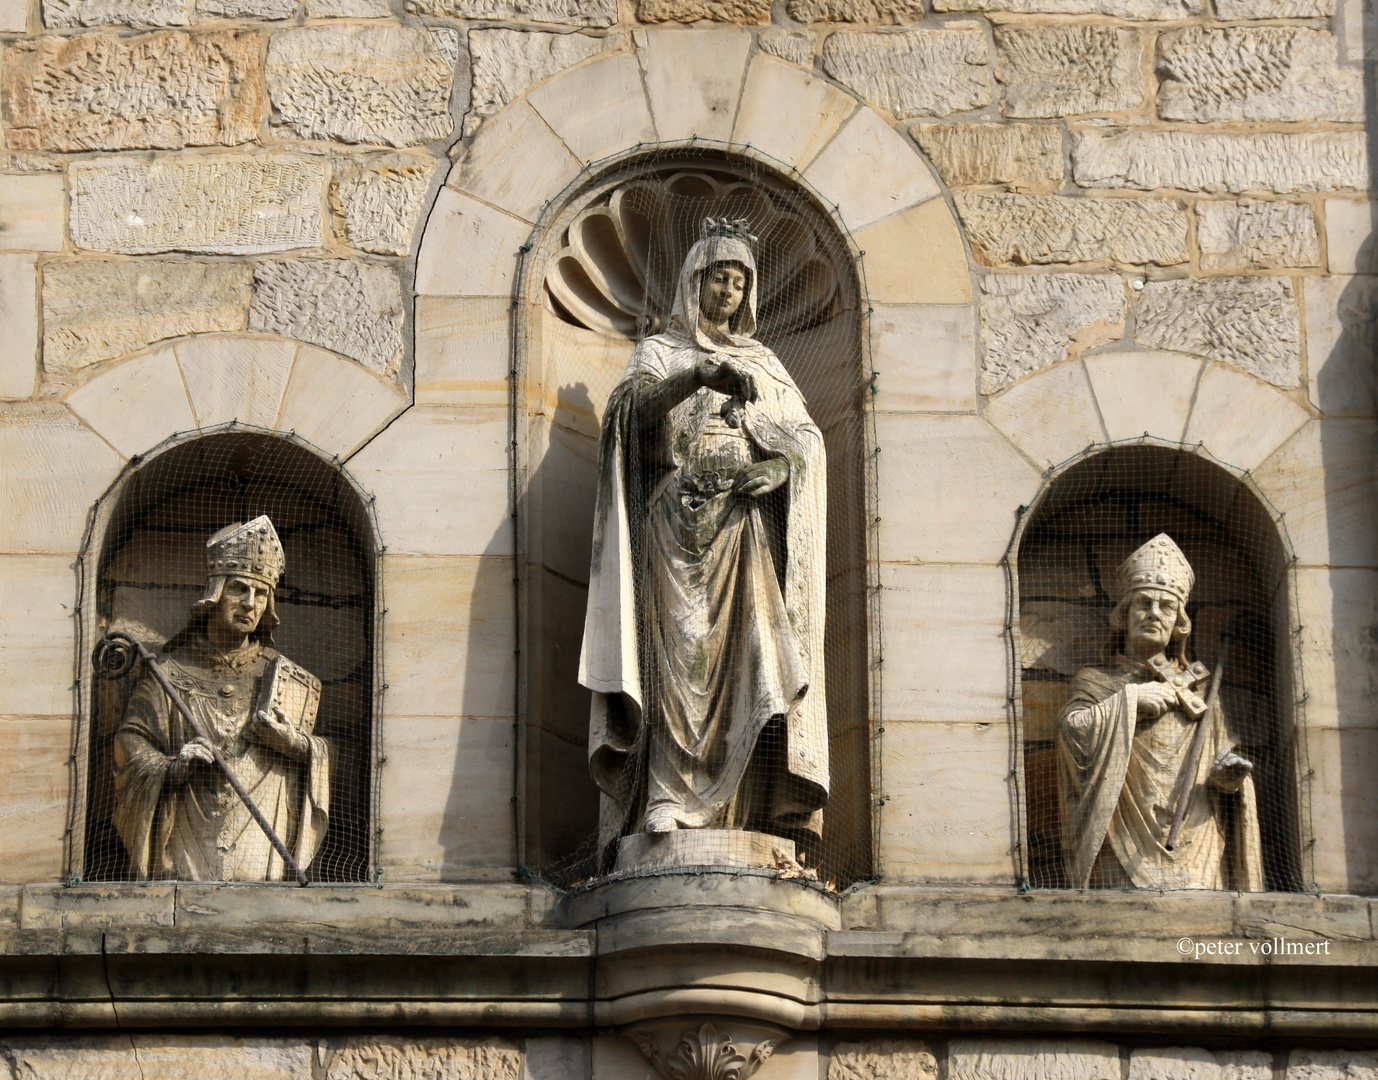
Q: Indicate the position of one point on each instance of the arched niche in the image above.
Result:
(600, 274)
(143, 567)
(1089, 516)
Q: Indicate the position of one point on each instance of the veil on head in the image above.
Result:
(721, 240)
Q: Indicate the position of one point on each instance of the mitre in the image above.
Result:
(250, 550)
(1159, 564)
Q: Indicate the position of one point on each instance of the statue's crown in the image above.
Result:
(250, 550)
(1159, 564)
(729, 228)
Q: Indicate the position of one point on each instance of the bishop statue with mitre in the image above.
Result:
(1154, 791)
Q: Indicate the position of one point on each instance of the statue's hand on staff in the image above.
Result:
(1155, 698)
(274, 731)
(179, 772)
(726, 378)
(763, 477)
(1229, 770)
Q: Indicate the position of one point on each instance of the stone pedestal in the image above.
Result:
(704, 847)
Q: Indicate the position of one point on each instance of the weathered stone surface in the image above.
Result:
(211, 203)
(856, 11)
(1021, 155)
(98, 309)
(1194, 1063)
(1275, 9)
(1031, 1059)
(347, 9)
(360, 84)
(1255, 73)
(1031, 321)
(160, 90)
(380, 198)
(150, 1056)
(1124, 9)
(246, 9)
(1253, 235)
(796, 46)
(385, 1057)
(1064, 70)
(882, 1059)
(351, 307)
(572, 12)
(737, 11)
(14, 16)
(506, 62)
(1332, 1065)
(1025, 229)
(1192, 161)
(116, 12)
(915, 72)
(1250, 322)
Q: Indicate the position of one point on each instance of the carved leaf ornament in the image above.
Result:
(705, 1054)
(616, 273)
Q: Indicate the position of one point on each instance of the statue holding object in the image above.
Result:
(1154, 791)
(703, 639)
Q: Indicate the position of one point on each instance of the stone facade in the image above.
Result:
(1072, 222)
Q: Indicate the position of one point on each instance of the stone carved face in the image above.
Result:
(240, 607)
(724, 286)
(1152, 617)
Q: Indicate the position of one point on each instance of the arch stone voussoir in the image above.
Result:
(1241, 419)
(598, 109)
(137, 404)
(1051, 416)
(1144, 392)
(694, 81)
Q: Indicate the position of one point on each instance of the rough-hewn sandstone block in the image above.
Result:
(1064, 70)
(116, 12)
(1029, 321)
(1255, 73)
(98, 309)
(1191, 161)
(161, 91)
(1021, 155)
(390, 1057)
(506, 62)
(210, 203)
(1275, 9)
(360, 84)
(1031, 1059)
(796, 46)
(1332, 1065)
(882, 1059)
(1124, 9)
(98, 1057)
(1254, 235)
(738, 11)
(1250, 322)
(246, 9)
(347, 9)
(1194, 1063)
(351, 307)
(572, 12)
(380, 198)
(916, 72)
(857, 11)
(1025, 229)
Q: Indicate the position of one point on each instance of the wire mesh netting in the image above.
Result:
(230, 735)
(699, 341)
(1160, 738)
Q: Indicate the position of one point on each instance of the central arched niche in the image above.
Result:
(602, 274)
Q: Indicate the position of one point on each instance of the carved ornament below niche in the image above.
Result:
(617, 271)
(705, 1053)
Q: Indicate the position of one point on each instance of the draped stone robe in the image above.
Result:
(1119, 778)
(201, 830)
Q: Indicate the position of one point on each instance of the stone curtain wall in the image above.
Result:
(613, 1057)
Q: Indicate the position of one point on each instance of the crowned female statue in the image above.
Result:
(178, 815)
(703, 639)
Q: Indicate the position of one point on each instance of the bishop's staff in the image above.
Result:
(1198, 741)
(114, 657)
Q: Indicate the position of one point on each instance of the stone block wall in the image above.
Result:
(213, 210)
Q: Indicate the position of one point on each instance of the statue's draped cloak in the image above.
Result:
(1119, 779)
(201, 830)
(688, 631)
